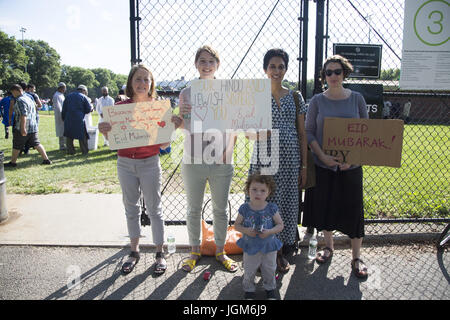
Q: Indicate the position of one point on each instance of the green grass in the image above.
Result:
(420, 188)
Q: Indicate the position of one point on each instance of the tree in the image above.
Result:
(43, 65)
(74, 76)
(12, 62)
(390, 74)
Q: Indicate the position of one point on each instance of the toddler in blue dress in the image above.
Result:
(259, 221)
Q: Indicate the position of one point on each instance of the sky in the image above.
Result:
(96, 33)
(85, 33)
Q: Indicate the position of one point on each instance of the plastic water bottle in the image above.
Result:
(171, 246)
(312, 247)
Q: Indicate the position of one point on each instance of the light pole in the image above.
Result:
(23, 30)
(369, 19)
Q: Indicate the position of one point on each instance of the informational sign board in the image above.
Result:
(426, 45)
(374, 142)
(139, 124)
(240, 104)
(365, 58)
(373, 94)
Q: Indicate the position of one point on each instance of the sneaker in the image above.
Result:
(10, 165)
(48, 161)
(249, 296)
(271, 295)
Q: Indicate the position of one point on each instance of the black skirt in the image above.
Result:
(336, 202)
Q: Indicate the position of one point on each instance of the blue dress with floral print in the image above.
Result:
(256, 219)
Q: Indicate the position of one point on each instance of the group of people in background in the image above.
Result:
(20, 110)
(269, 217)
(393, 110)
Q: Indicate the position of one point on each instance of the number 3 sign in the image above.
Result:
(431, 22)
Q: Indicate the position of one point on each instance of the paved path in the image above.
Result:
(50, 240)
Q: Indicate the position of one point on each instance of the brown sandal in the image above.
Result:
(282, 264)
(322, 258)
(360, 272)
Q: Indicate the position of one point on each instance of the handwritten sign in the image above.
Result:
(231, 104)
(373, 142)
(139, 124)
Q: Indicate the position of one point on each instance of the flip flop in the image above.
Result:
(229, 264)
(127, 267)
(191, 262)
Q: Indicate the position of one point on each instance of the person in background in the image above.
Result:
(406, 111)
(104, 101)
(139, 170)
(336, 201)
(58, 100)
(75, 107)
(121, 96)
(387, 109)
(4, 111)
(25, 128)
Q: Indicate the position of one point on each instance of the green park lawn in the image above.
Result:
(420, 188)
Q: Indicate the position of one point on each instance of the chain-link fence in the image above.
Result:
(169, 33)
(419, 190)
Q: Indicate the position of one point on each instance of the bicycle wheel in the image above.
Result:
(444, 237)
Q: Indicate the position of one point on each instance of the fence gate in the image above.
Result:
(165, 35)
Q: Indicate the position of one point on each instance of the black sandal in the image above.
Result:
(127, 267)
(322, 258)
(360, 272)
(282, 263)
(160, 268)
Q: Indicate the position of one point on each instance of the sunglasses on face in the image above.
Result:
(329, 72)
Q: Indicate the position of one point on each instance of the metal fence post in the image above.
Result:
(3, 210)
(320, 17)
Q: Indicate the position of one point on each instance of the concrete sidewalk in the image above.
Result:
(72, 220)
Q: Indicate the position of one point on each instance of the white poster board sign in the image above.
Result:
(240, 104)
(139, 124)
(426, 45)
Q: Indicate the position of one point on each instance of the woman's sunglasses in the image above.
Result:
(329, 72)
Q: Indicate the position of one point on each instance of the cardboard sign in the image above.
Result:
(374, 142)
(139, 124)
(231, 104)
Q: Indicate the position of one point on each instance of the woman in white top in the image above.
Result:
(199, 166)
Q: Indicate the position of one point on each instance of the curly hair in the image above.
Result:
(346, 66)
(258, 177)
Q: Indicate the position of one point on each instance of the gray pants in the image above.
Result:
(219, 177)
(268, 264)
(143, 174)
(83, 145)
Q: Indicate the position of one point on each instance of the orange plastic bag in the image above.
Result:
(208, 245)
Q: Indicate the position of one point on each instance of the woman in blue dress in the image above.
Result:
(283, 153)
